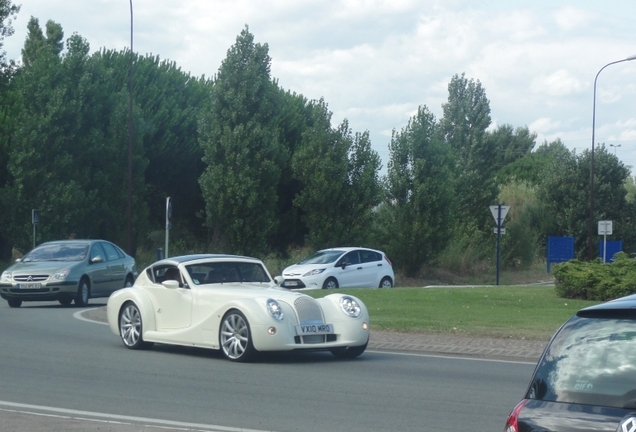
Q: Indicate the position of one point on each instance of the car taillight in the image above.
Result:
(388, 260)
(512, 425)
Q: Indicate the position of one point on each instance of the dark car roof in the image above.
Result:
(624, 306)
(193, 257)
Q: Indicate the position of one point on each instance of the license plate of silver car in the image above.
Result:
(314, 329)
(29, 286)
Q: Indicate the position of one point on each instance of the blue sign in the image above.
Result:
(560, 249)
(612, 247)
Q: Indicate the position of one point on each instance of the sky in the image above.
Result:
(374, 62)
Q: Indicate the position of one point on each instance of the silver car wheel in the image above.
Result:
(234, 337)
(83, 293)
(386, 283)
(130, 326)
(330, 283)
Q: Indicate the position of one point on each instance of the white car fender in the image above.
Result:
(117, 300)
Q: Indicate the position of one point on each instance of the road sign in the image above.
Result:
(604, 227)
(494, 209)
(503, 230)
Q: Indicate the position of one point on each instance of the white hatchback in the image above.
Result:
(344, 267)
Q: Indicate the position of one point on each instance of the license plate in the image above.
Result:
(314, 329)
(30, 286)
(291, 283)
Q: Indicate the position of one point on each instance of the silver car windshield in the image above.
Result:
(322, 257)
(58, 252)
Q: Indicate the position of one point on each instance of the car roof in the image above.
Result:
(621, 307)
(176, 260)
(349, 248)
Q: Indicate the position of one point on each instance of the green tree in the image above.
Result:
(416, 221)
(338, 172)
(67, 158)
(463, 126)
(529, 168)
(242, 150)
(565, 192)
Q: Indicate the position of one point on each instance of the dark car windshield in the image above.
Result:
(58, 252)
(322, 257)
(227, 272)
(590, 361)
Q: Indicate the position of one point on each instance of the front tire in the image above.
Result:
(65, 301)
(14, 303)
(129, 282)
(235, 337)
(349, 352)
(83, 293)
(330, 283)
(131, 327)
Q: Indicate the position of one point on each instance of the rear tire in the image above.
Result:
(386, 282)
(131, 327)
(65, 301)
(14, 303)
(83, 293)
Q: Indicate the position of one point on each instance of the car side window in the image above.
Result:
(369, 256)
(111, 252)
(96, 251)
(349, 259)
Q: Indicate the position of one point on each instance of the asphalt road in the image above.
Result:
(59, 373)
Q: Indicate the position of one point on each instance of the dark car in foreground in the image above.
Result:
(67, 271)
(586, 377)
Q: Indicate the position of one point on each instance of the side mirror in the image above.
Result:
(173, 284)
(279, 280)
(97, 259)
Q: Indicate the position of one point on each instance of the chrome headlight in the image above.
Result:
(350, 306)
(6, 277)
(60, 274)
(314, 272)
(275, 310)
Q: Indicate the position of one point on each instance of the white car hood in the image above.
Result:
(298, 270)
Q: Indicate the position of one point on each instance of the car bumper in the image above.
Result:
(49, 292)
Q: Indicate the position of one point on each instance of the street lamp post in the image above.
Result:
(615, 146)
(130, 139)
(590, 224)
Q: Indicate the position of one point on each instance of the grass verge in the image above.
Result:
(516, 312)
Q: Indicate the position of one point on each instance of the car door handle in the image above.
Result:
(380, 265)
(359, 268)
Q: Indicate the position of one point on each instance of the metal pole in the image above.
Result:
(130, 139)
(498, 239)
(590, 223)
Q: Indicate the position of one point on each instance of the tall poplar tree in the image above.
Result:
(416, 220)
(242, 150)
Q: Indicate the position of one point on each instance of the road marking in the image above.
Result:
(63, 413)
(451, 357)
(78, 315)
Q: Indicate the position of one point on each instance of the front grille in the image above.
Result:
(30, 278)
(30, 291)
(315, 339)
(309, 311)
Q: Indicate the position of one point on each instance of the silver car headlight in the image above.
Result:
(60, 274)
(6, 277)
(314, 272)
(350, 306)
(275, 310)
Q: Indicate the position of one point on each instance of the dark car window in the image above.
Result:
(350, 258)
(590, 361)
(111, 252)
(227, 272)
(96, 251)
(369, 256)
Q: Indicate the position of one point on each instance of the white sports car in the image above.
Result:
(231, 303)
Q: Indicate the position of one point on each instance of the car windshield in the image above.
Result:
(591, 361)
(58, 252)
(322, 257)
(227, 272)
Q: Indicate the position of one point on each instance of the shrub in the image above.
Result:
(594, 280)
